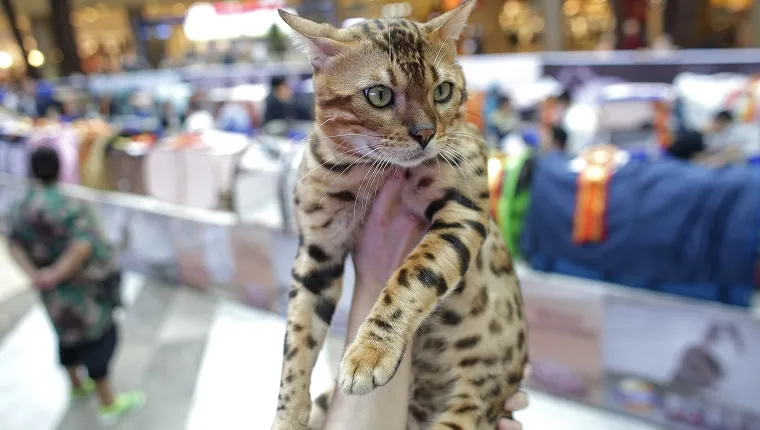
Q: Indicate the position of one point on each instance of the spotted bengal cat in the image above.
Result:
(390, 97)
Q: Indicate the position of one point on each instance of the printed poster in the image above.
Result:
(687, 366)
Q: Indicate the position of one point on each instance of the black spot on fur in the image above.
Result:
(292, 353)
(317, 253)
(477, 226)
(451, 195)
(468, 342)
(495, 327)
(407, 174)
(484, 195)
(479, 171)
(418, 413)
(396, 315)
(436, 344)
(318, 280)
(480, 302)
(479, 382)
(490, 360)
(441, 225)
(321, 161)
(290, 378)
(311, 343)
(452, 426)
(326, 224)
(325, 308)
(380, 324)
(430, 256)
(500, 270)
(344, 196)
(465, 409)
(449, 317)
(310, 209)
(514, 378)
(430, 279)
(521, 339)
(403, 278)
(468, 362)
(461, 249)
(387, 299)
(292, 293)
(297, 327)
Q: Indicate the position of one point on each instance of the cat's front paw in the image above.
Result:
(368, 364)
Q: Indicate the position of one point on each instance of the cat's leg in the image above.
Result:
(317, 281)
(465, 410)
(433, 269)
(319, 410)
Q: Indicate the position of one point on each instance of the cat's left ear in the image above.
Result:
(322, 41)
(448, 27)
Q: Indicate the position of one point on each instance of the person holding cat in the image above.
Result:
(389, 235)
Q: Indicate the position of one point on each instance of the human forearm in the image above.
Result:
(22, 260)
(72, 259)
(385, 408)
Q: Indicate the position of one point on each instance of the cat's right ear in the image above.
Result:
(322, 42)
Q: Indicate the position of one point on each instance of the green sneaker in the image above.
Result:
(83, 392)
(124, 403)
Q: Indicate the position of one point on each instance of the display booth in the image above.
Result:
(195, 169)
(703, 96)
(633, 116)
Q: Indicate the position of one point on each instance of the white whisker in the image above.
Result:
(347, 154)
(341, 173)
(361, 184)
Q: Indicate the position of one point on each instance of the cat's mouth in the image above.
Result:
(413, 158)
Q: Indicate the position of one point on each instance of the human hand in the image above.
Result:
(45, 279)
(389, 234)
(516, 403)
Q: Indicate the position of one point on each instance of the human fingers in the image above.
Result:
(517, 402)
(509, 425)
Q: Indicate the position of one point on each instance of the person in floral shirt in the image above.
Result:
(57, 242)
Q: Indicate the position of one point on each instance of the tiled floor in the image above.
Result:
(204, 364)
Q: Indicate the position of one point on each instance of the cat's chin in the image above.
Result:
(413, 162)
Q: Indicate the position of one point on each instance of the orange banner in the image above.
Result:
(593, 194)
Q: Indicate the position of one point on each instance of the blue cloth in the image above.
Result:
(667, 222)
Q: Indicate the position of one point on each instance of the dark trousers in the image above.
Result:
(94, 355)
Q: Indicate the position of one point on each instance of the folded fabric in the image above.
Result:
(668, 221)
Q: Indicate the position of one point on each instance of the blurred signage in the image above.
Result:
(231, 8)
(219, 21)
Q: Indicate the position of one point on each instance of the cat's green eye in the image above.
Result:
(442, 93)
(379, 96)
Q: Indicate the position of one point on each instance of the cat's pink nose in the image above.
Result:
(422, 135)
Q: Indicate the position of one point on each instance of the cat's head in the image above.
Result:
(390, 88)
